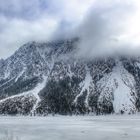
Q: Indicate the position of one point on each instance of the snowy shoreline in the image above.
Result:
(116, 127)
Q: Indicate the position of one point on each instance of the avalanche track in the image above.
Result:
(34, 92)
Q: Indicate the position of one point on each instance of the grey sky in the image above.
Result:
(110, 28)
(27, 20)
(96, 22)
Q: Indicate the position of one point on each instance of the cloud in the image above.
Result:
(71, 14)
(26, 9)
(22, 21)
(18, 31)
(110, 28)
(28, 20)
(105, 27)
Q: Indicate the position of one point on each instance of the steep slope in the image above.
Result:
(117, 89)
(42, 78)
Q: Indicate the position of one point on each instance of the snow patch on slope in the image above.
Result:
(33, 92)
(70, 73)
(36, 91)
(138, 64)
(118, 87)
(20, 74)
(7, 82)
(85, 85)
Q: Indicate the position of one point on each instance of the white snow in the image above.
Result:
(36, 91)
(119, 85)
(7, 72)
(20, 74)
(86, 84)
(70, 73)
(123, 98)
(138, 64)
(33, 92)
(7, 82)
(71, 128)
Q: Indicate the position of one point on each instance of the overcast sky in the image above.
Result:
(98, 22)
(28, 20)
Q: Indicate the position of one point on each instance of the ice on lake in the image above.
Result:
(70, 128)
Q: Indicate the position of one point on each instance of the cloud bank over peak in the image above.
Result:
(104, 27)
(110, 28)
(36, 20)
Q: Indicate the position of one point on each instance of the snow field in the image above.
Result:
(71, 128)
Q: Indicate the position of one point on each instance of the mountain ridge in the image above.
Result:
(43, 78)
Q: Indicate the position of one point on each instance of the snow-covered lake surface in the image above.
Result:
(70, 128)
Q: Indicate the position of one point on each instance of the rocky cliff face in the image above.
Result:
(42, 78)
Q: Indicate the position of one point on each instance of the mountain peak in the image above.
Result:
(41, 78)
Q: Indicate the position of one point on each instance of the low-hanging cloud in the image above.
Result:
(110, 28)
(104, 27)
(22, 21)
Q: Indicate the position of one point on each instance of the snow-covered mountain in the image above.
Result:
(42, 78)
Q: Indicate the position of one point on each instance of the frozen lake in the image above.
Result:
(70, 128)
